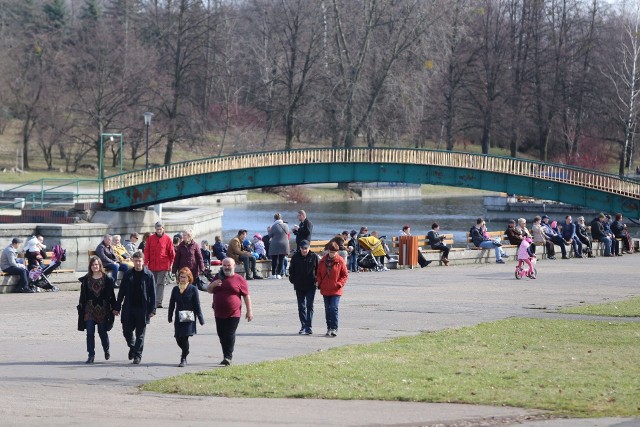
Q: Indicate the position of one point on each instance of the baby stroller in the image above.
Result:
(371, 248)
(39, 277)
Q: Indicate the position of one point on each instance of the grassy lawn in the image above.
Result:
(627, 308)
(573, 368)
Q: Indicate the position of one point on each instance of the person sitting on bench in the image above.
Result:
(9, 264)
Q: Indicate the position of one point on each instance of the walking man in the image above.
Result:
(302, 231)
(302, 273)
(9, 264)
(159, 254)
(228, 293)
(138, 291)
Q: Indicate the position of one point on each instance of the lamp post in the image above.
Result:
(147, 122)
(110, 136)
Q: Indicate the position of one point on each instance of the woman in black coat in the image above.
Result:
(184, 297)
(97, 301)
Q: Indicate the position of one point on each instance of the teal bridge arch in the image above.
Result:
(591, 189)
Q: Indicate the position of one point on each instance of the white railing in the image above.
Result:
(556, 173)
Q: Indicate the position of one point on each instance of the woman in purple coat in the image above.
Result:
(188, 254)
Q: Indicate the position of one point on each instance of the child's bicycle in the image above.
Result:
(522, 269)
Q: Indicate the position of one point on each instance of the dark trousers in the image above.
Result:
(560, 242)
(585, 241)
(183, 343)
(422, 260)
(226, 329)
(331, 304)
(137, 323)
(90, 327)
(305, 307)
(277, 264)
(249, 263)
(442, 248)
(23, 278)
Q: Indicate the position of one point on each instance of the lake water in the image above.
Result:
(454, 214)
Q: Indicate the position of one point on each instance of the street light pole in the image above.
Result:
(147, 122)
(101, 154)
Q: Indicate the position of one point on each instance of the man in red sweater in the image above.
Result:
(159, 254)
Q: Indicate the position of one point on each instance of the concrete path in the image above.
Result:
(44, 381)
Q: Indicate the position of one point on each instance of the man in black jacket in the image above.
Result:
(138, 290)
(303, 231)
(302, 273)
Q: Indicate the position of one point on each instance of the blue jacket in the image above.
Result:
(569, 231)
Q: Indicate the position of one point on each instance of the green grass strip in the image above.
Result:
(626, 308)
(574, 368)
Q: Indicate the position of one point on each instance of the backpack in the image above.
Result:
(59, 254)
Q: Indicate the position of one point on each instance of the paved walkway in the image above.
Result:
(43, 378)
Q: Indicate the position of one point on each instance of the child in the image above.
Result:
(525, 255)
(258, 246)
(206, 253)
(352, 248)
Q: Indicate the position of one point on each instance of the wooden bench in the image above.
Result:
(492, 235)
(46, 261)
(423, 243)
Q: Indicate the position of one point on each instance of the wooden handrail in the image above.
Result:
(521, 167)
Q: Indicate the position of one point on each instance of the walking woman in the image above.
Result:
(186, 304)
(97, 301)
(278, 246)
(331, 277)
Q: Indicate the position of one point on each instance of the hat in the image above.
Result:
(544, 216)
(16, 240)
(159, 224)
(304, 244)
(353, 233)
(258, 236)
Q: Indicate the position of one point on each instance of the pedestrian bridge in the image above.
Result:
(600, 191)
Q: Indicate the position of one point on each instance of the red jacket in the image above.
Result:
(159, 253)
(331, 283)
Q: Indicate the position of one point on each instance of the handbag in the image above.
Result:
(186, 316)
(80, 317)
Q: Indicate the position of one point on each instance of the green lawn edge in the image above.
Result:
(573, 368)
(625, 308)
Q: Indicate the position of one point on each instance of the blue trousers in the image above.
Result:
(331, 304)
(305, 308)
(90, 326)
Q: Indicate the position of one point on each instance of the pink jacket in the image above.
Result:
(522, 250)
(159, 253)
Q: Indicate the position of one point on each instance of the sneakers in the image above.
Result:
(257, 276)
(384, 269)
(333, 332)
(272, 277)
(225, 362)
(309, 332)
(328, 334)
(301, 331)
(183, 361)
(278, 276)
(136, 360)
(551, 257)
(504, 255)
(499, 261)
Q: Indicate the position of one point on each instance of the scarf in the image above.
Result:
(182, 287)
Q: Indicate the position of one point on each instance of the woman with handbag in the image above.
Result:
(96, 305)
(185, 301)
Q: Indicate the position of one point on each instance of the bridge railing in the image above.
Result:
(530, 168)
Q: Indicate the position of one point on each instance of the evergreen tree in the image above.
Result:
(56, 13)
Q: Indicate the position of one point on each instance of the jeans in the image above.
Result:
(285, 266)
(249, 263)
(607, 245)
(277, 264)
(23, 278)
(115, 267)
(226, 329)
(576, 244)
(90, 326)
(136, 322)
(353, 262)
(305, 307)
(331, 311)
(488, 244)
